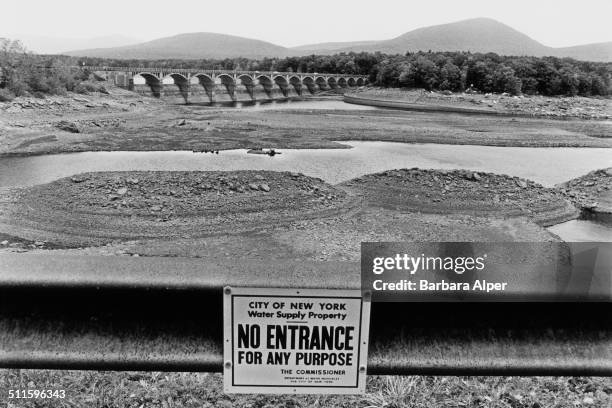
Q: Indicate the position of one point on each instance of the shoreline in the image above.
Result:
(500, 105)
(335, 144)
(124, 121)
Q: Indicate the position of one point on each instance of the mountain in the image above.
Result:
(190, 46)
(329, 46)
(588, 52)
(476, 35)
(55, 45)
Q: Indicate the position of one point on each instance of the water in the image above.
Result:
(547, 166)
(583, 231)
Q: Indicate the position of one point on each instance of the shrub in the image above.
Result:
(6, 95)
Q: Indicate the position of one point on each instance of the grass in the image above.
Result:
(99, 389)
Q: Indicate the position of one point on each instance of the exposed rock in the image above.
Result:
(67, 126)
(264, 187)
(592, 192)
(474, 176)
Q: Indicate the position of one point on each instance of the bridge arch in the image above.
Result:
(229, 83)
(282, 83)
(351, 82)
(342, 82)
(310, 84)
(153, 81)
(208, 83)
(360, 82)
(176, 77)
(332, 82)
(181, 82)
(321, 83)
(249, 83)
(296, 82)
(267, 83)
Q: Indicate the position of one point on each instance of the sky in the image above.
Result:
(291, 23)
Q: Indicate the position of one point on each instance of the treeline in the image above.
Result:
(453, 71)
(458, 71)
(23, 73)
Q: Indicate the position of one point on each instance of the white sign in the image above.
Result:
(295, 341)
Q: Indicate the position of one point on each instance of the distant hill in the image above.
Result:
(587, 52)
(53, 45)
(190, 46)
(330, 46)
(475, 35)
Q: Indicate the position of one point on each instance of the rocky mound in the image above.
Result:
(462, 192)
(92, 208)
(591, 192)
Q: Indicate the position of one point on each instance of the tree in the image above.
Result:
(504, 80)
(450, 77)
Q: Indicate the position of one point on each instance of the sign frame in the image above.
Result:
(229, 295)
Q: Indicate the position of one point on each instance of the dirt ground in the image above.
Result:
(127, 121)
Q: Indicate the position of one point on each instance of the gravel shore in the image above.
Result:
(273, 214)
(523, 105)
(592, 193)
(97, 208)
(463, 192)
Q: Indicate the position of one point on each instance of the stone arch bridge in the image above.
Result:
(190, 83)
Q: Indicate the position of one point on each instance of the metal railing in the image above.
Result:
(124, 313)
